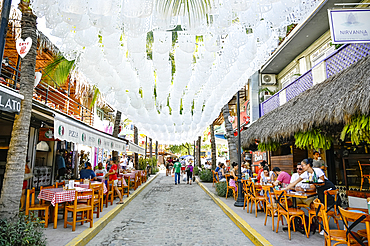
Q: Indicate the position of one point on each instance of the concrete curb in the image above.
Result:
(84, 237)
(251, 233)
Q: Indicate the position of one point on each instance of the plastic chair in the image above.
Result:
(288, 213)
(363, 176)
(80, 207)
(36, 207)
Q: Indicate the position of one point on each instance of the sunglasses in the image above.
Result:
(300, 169)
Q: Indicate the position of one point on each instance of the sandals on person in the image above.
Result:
(120, 202)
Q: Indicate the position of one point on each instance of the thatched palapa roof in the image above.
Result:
(333, 101)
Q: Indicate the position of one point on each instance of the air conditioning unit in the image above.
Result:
(265, 97)
(268, 79)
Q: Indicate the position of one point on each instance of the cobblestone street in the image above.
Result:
(168, 214)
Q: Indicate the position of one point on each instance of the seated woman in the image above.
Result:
(221, 173)
(266, 175)
(233, 175)
(317, 176)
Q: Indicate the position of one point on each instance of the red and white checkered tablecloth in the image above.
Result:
(58, 195)
(86, 186)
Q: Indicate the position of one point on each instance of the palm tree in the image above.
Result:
(231, 140)
(213, 146)
(16, 160)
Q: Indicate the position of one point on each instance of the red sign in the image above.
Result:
(258, 156)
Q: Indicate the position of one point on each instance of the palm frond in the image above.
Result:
(59, 69)
(95, 97)
(195, 10)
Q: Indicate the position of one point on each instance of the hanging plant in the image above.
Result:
(269, 146)
(313, 139)
(358, 128)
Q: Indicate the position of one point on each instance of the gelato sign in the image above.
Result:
(10, 101)
(349, 25)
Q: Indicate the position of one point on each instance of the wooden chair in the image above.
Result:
(246, 193)
(145, 176)
(97, 201)
(330, 213)
(363, 176)
(132, 182)
(340, 236)
(80, 207)
(136, 181)
(60, 184)
(121, 187)
(42, 201)
(214, 178)
(138, 178)
(36, 207)
(110, 193)
(361, 233)
(270, 207)
(355, 217)
(255, 198)
(288, 213)
(227, 176)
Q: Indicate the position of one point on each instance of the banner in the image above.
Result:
(349, 25)
(72, 131)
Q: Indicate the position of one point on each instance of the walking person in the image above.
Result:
(177, 171)
(189, 173)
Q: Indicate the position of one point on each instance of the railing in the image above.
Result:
(342, 58)
(10, 74)
(58, 99)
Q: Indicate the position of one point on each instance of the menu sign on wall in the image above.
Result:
(258, 156)
(10, 101)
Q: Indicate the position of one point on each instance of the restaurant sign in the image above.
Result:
(10, 101)
(258, 156)
(72, 131)
(349, 25)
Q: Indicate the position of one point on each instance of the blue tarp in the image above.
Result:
(186, 156)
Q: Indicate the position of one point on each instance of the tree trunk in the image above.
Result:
(16, 159)
(117, 123)
(156, 150)
(231, 139)
(146, 145)
(213, 147)
(150, 148)
(136, 141)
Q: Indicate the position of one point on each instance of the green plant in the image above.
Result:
(269, 146)
(196, 170)
(22, 230)
(205, 175)
(313, 139)
(358, 128)
(221, 189)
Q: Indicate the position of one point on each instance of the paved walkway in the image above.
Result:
(168, 214)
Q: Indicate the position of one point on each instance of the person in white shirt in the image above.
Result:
(100, 171)
(317, 176)
(300, 186)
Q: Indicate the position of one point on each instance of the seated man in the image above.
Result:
(87, 173)
(303, 187)
(100, 170)
(283, 178)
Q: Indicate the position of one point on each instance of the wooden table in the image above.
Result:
(58, 195)
(302, 195)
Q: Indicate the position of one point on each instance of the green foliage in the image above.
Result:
(313, 139)
(196, 170)
(269, 146)
(182, 149)
(358, 129)
(22, 230)
(266, 90)
(205, 175)
(336, 46)
(221, 188)
(58, 70)
(151, 161)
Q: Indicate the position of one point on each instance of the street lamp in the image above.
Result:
(240, 201)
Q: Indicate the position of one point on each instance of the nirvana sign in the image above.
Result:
(349, 25)
(10, 101)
